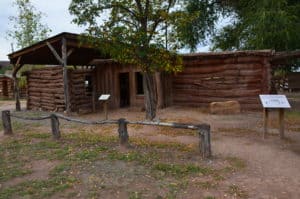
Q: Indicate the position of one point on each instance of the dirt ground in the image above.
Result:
(272, 166)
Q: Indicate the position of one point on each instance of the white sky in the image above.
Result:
(57, 18)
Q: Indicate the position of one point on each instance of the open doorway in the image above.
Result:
(124, 89)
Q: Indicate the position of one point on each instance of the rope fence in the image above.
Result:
(202, 129)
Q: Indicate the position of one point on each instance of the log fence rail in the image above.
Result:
(202, 129)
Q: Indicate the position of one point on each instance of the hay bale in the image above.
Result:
(227, 107)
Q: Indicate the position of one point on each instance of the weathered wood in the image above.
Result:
(58, 58)
(123, 134)
(204, 142)
(265, 120)
(55, 127)
(65, 75)
(6, 122)
(281, 123)
(17, 67)
(105, 110)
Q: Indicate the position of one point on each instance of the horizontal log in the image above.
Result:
(222, 67)
(49, 90)
(216, 99)
(222, 93)
(216, 86)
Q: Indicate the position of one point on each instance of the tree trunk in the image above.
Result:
(150, 95)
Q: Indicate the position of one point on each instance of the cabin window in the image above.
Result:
(139, 83)
(88, 85)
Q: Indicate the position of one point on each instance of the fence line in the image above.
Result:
(202, 129)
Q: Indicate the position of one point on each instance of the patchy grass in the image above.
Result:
(141, 142)
(207, 185)
(236, 163)
(177, 170)
(238, 131)
(89, 162)
(236, 192)
(176, 132)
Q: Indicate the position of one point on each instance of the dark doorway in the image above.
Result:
(4, 88)
(124, 89)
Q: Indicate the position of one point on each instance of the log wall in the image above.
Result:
(81, 95)
(6, 87)
(45, 89)
(204, 79)
(216, 79)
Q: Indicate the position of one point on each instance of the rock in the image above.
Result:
(227, 107)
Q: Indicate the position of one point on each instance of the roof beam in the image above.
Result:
(59, 59)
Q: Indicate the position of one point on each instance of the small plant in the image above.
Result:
(234, 190)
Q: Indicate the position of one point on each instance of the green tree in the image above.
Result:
(27, 28)
(137, 32)
(260, 24)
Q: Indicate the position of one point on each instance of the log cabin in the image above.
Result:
(79, 74)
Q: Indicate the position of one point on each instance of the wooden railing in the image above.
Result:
(202, 129)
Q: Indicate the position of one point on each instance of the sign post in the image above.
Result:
(104, 98)
(279, 102)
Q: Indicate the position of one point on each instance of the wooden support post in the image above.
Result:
(65, 74)
(6, 123)
(55, 127)
(17, 67)
(105, 109)
(266, 118)
(123, 134)
(17, 93)
(281, 123)
(204, 142)
(93, 100)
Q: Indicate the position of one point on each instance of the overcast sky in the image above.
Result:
(57, 18)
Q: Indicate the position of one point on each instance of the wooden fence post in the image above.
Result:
(123, 134)
(55, 127)
(204, 142)
(6, 123)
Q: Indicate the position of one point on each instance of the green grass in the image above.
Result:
(179, 170)
(38, 188)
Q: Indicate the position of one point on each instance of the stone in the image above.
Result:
(227, 107)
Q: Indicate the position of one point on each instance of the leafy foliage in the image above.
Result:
(27, 28)
(265, 24)
(145, 33)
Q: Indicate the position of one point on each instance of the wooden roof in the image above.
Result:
(208, 55)
(84, 54)
(40, 54)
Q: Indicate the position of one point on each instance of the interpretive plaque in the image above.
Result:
(279, 102)
(104, 97)
(274, 101)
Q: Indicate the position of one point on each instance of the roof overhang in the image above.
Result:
(40, 54)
